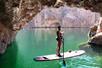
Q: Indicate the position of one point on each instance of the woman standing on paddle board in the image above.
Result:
(59, 41)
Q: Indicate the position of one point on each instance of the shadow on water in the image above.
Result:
(92, 49)
(5, 59)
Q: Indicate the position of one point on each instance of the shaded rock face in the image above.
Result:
(97, 7)
(65, 16)
(6, 36)
(6, 24)
(96, 40)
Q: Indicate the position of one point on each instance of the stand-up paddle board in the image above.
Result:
(67, 54)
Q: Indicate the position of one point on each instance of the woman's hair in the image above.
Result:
(59, 27)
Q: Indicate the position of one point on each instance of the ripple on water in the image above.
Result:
(83, 61)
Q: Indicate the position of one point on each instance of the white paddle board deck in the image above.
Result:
(67, 54)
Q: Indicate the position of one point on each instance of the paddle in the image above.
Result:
(63, 53)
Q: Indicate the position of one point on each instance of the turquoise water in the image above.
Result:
(30, 43)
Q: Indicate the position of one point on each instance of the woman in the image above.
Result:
(59, 41)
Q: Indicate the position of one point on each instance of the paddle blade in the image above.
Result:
(64, 63)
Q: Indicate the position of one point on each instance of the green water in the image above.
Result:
(30, 43)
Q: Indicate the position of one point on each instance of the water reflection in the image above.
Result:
(43, 32)
(83, 61)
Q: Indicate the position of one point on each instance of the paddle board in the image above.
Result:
(67, 54)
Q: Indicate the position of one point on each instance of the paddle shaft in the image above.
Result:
(63, 53)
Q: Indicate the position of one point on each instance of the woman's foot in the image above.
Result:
(59, 55)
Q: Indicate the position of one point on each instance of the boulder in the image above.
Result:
(97, 39)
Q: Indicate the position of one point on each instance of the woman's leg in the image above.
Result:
(58, 48)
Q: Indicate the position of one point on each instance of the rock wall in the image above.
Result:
(6, 37)
(65, 16)
(6, 17)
